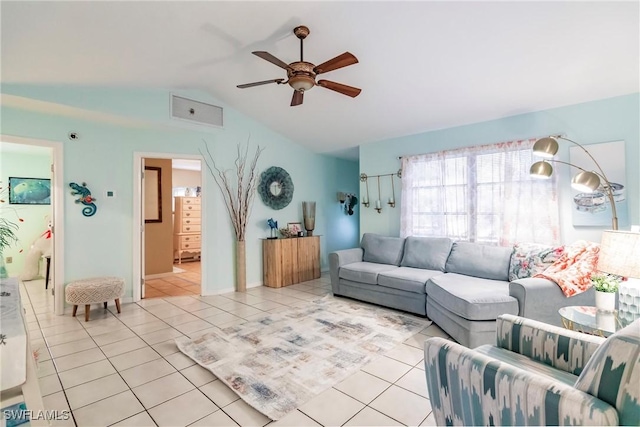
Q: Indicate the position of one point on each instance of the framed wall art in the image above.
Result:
(294, 228)
(594, 209)
(29, 191)
(152, 194)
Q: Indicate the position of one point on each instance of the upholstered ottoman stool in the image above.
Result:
(94, 291)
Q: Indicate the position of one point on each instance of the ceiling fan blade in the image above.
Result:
(268, 57)
(339, 61)
(339, 87)
(297, 98)
(264, 82)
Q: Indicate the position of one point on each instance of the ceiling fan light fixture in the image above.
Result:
(302, 75)
(302, 83)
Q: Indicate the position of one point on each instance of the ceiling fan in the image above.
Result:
(301, 75)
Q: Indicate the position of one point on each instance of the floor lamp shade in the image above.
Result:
(620, 253)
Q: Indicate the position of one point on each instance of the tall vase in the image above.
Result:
(309, 215)
(241, 266)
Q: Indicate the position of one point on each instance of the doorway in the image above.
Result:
(40, 224)
(169, 212)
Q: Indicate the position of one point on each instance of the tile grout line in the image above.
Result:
(232, 310)
(120, 375)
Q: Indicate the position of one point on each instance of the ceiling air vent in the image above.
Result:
(196, 112)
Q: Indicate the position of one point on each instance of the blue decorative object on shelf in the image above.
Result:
(275, 188)
(85, 198)
(274, 228)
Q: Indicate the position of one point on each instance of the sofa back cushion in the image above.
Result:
(382, 249)
(472, 259)
(529, 259)
(429, 253)
(612, 373)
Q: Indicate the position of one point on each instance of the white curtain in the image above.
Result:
(480, 194)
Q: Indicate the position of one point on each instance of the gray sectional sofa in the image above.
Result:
(463, 287)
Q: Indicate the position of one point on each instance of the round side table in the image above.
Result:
(590, 320)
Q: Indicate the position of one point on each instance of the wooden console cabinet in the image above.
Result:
(289, 261)
(187, 223)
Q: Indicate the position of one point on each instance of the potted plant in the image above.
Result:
(606, 286)
(7, 238)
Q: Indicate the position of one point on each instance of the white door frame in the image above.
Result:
(138, 222)
(58, 212)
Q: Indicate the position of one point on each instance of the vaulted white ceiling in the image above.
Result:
(423, 65)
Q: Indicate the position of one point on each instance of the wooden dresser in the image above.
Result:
(289, 261)
(187, 222)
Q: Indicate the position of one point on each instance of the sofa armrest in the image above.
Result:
(554, 346)
(338, 259)
(469, 388)
(540, 299)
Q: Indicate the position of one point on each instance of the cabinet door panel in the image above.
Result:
(289, 261)
(308, 260)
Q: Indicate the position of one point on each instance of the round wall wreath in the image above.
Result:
(275, 188)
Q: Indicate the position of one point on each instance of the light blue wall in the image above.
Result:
(34, 217)
(605, 120)
(113, 124)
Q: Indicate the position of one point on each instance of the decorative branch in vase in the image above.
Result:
(238, 194)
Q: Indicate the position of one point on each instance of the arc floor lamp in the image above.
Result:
(585, 181)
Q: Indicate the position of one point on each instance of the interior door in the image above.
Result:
(142, 230)
(50, 264)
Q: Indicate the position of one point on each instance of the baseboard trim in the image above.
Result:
(233, 289)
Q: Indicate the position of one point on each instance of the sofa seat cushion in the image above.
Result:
(472, 298)
(364, 272)
(523, 362)
(407, 279)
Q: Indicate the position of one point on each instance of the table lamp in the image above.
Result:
(620, 255)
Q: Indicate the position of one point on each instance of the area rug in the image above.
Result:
(280, 361)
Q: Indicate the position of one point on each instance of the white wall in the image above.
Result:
(186, 178)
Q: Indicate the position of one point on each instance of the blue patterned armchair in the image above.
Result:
(536, 374)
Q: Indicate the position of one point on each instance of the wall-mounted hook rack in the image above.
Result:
(378, 204)
(364, 177)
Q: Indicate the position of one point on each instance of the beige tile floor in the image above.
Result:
(185, 283)
(126, 370)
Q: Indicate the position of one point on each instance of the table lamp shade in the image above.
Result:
(620, 253)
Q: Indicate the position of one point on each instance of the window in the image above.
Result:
(479, 194)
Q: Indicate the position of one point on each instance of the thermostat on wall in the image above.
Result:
(110, 193)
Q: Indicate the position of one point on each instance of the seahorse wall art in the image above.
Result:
(85, 198)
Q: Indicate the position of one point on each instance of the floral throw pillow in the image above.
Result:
(572, 271)
(529, 259)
